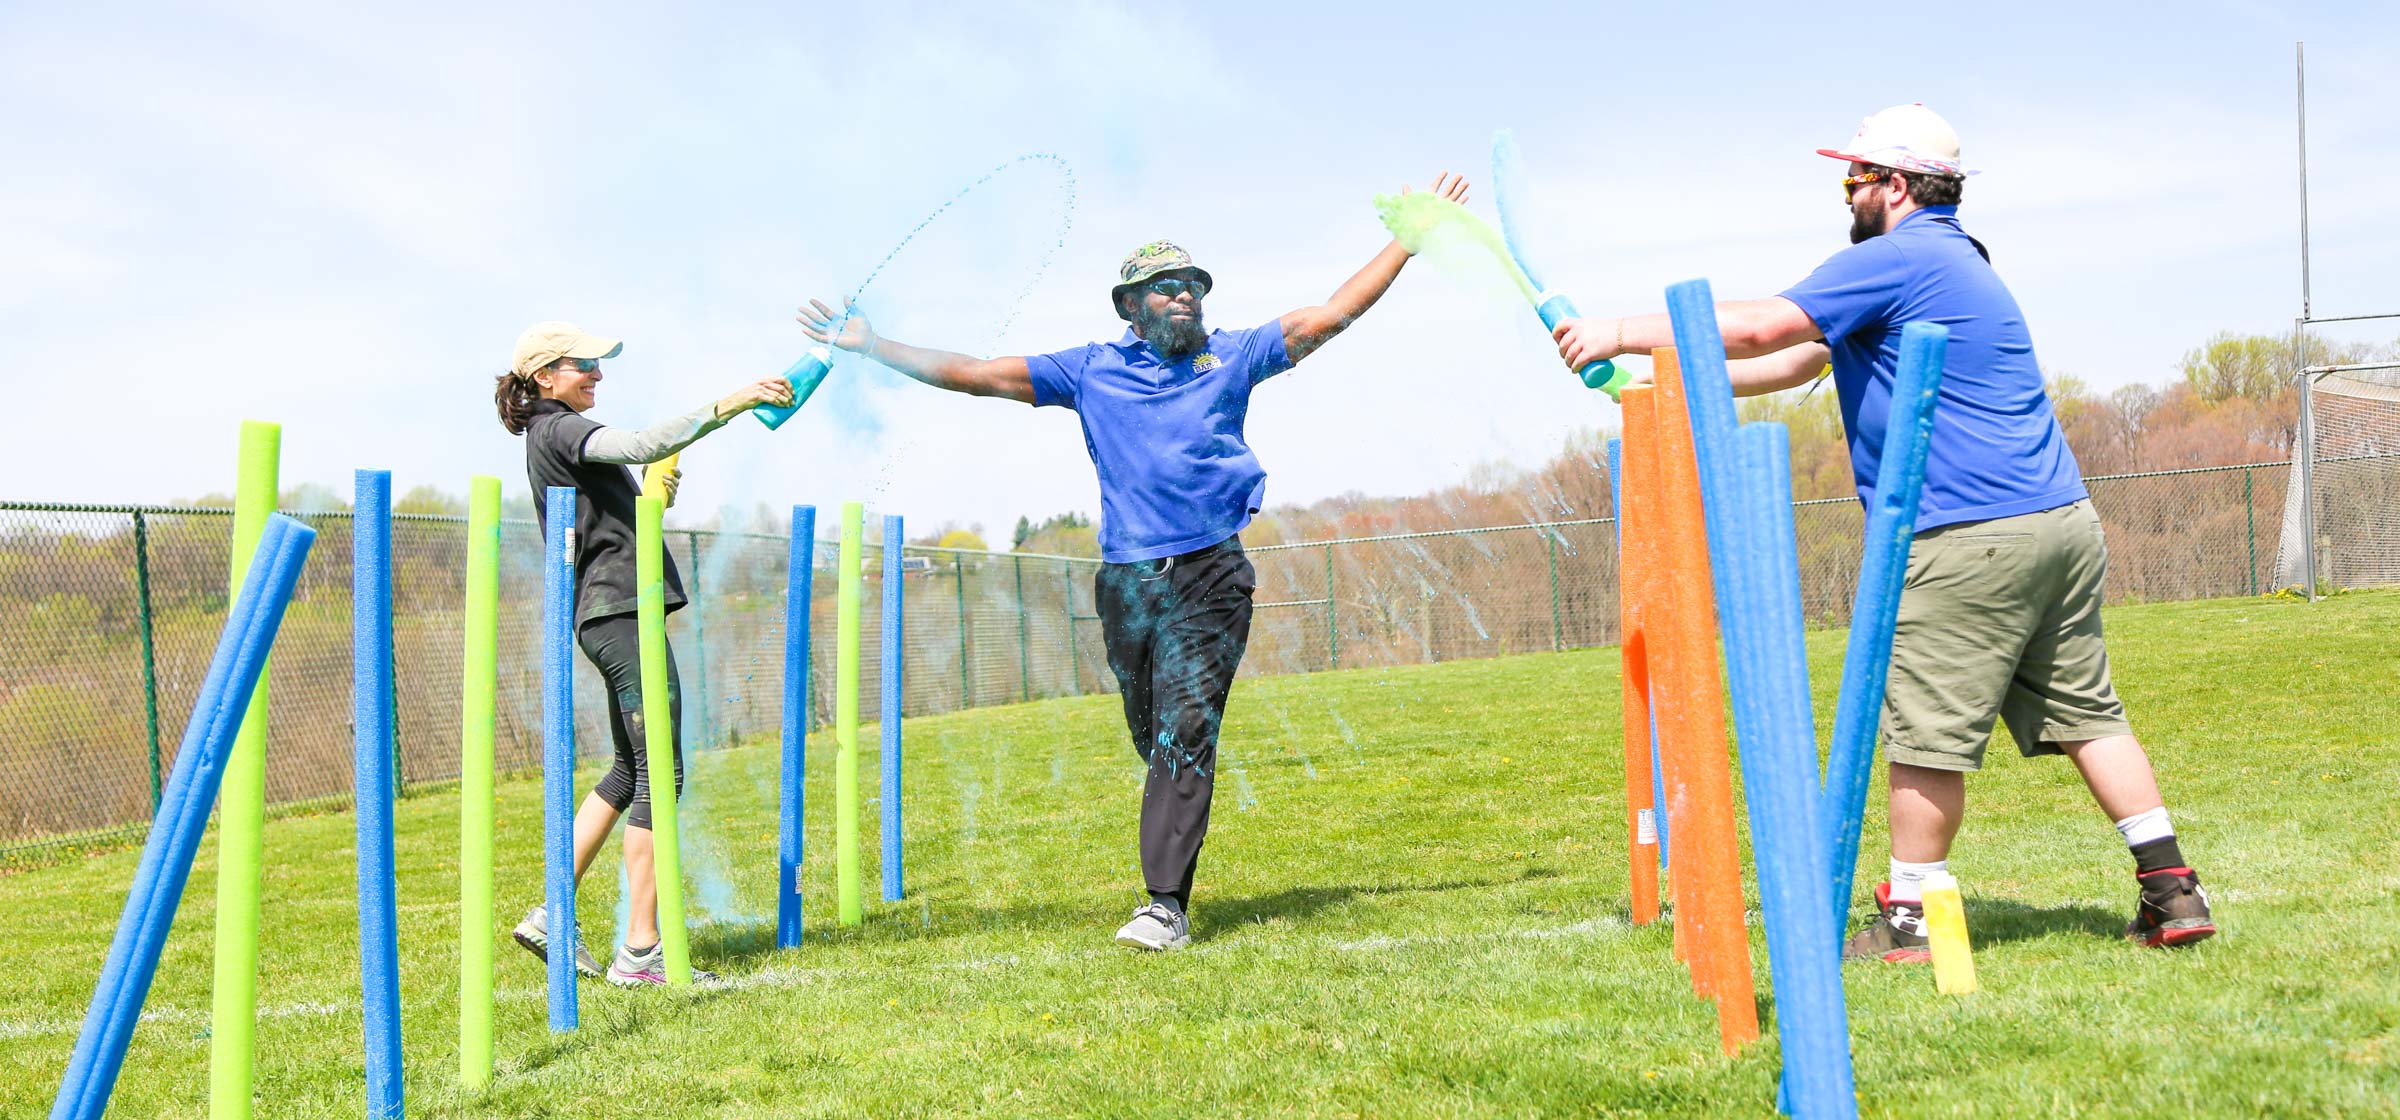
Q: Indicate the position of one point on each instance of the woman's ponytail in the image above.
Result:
(515, 397)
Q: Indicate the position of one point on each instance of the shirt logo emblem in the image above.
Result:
(1205, 362)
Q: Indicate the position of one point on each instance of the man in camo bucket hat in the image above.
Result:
(1158, 258)
(1162, 411)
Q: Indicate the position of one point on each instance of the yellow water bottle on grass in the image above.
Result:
(1946, 929)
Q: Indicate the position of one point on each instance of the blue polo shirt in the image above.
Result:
(1997, 448)
(1175, 473)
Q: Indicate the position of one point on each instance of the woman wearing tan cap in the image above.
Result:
(552, 381)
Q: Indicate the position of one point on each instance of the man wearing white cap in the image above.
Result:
(2000, 612)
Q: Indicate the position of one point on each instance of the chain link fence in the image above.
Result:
(112, 613)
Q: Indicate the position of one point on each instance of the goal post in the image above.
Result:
(2341, 520)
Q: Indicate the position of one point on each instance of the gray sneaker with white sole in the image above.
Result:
(634, 970)
(1157, 928)
(534, 934)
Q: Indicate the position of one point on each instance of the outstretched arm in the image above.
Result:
(1751, 327)
(1308, 328)
(634, 447)
(942, 369)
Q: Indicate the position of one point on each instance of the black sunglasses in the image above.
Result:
(1173, 286)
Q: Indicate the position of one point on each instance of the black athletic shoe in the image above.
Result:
(1897, 935)
(2173, 910)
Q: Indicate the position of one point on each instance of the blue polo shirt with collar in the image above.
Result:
(1166, 438)
(1997, 448)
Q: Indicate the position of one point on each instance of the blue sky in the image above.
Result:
(341, 220)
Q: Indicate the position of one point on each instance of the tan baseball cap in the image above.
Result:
(544, 343)
(1905, 137)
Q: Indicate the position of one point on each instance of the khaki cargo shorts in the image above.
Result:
(1998, 619)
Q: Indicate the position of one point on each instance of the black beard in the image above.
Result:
(1173, 340)
(1864, 223)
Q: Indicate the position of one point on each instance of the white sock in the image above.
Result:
(1908, 879)
(2142, 828)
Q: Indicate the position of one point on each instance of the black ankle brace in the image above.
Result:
(2157, 855)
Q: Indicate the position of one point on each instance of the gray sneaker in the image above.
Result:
(1157, 929)
(634, 970)
(534, 934)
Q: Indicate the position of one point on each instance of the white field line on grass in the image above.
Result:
(779, 977)
(189, 1016)
(1603, 926)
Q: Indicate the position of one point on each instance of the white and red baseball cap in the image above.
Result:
(1907, 138)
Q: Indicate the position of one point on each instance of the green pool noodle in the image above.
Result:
(658, 734)
(478, 722)
(242, 814)
(849, 874)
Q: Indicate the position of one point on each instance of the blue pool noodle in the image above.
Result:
(1658, 779)
(1658, 792)
(804, 377)
(372, 790)
(1741, 587)
(1734, 570)
(558, 750)
(893, 650)
(183, 809)
(1708, 396)
(1708, 393)
(797, 586)
(1779, 776)
(1875, 612)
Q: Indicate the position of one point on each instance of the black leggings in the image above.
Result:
(614, 645)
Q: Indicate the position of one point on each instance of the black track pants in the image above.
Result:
(1176, 629)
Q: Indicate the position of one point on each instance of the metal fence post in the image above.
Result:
(1024, 641)
(966, 677)
(2308, 464)
(708, 714)
(1333, 633)
(1558, 639)
(141, 584)
(2250, 516)
(399, 757)
(1066, 575)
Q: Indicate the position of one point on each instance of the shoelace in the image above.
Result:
(1158, 910)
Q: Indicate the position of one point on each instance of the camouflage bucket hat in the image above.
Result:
(1148, 262)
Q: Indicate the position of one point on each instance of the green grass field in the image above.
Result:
(1413, 905)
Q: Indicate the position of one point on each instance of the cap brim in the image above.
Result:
(1850, 157)
(590, 347)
